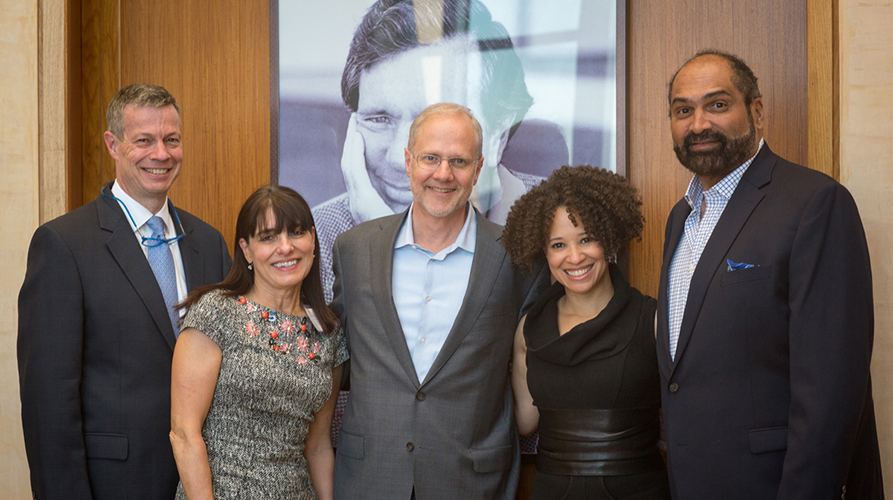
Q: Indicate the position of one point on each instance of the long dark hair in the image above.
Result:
(290, 212)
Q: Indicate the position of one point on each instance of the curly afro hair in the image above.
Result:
(604, 202)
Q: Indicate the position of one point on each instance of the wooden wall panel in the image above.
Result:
(770, 36)
(100, 79)
(213, 56)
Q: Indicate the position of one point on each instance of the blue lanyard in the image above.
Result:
(149, 241)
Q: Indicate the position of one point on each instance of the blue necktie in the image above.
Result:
(162, 262)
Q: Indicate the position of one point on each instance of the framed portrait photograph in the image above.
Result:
(545, 78)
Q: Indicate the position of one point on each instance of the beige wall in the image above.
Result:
(866, 168)
(18, 217)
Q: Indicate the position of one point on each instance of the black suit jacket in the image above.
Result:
(94, 349)
(769, 395)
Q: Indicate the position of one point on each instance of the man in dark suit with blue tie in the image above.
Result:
(765, 315)
(96, 323)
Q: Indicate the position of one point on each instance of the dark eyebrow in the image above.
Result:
(374, 111)
(265, 232)
(711, 95)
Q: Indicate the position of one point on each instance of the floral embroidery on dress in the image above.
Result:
(302, 343)
(286, 328)
(251, 329)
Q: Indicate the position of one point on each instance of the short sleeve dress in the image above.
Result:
(275, 374)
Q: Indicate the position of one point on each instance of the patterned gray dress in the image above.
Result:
(275, 374)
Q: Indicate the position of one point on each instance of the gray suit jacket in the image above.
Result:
(454, 435)
(94, 349)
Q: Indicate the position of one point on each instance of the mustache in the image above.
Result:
(707, 135)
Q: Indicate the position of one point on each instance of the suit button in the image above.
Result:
(409, 447)
(420, 396)
(674, 387)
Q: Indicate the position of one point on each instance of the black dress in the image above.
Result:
(597, 390)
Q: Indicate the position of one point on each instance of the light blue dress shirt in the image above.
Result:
(429, 289)
(696, 234)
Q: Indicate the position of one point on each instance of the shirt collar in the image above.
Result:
(465, 240)
(724, 187)
(141, 214)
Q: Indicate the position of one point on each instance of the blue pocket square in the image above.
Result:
(735, 266)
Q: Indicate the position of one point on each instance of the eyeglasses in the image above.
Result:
(432, 162)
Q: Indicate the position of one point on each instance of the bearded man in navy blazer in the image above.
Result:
(765, 316)
(96, 327)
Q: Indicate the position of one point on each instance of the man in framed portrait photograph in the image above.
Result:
(405, 56)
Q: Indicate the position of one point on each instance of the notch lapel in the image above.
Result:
(189, 252)
(127, 252)
(489, 257)
(381, 250)
(678, 215)
(741, 205)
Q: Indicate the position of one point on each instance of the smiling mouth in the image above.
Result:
(286, 264)
(156, 171)
(576, 273)
(441, 190)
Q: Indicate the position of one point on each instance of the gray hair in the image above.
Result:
(445, 108)
(137, 95)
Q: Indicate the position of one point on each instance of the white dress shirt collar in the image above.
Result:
(141, 214)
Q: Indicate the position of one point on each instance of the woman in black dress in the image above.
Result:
(585, 367)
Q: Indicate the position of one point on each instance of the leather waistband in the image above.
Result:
(598, 442)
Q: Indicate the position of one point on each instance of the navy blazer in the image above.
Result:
(769, 395)
(95, 345)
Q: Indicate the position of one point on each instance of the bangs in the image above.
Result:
(280, 213)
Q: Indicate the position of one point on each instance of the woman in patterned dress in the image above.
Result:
(257, 367)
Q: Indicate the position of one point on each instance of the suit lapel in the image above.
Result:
(488, 260)
(127, 252)
(189, 252)
(677, 220)
(741, 205)
(381, 249)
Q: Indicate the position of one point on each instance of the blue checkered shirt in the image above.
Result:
(695, 237)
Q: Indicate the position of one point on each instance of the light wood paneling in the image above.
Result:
(52, 109)
(213, 56)
(100, 81)
(823, 76)
(770, 36)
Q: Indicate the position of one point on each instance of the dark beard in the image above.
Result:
(731, 153)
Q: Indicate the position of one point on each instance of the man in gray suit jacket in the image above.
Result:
(96, 330)
(429, 303)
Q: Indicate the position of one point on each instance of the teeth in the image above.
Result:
(442, 190)
(156, 171)
(285, 264)
(578, 272)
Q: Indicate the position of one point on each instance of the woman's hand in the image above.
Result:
(526, 413)
(318, 449)
(196, 366)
